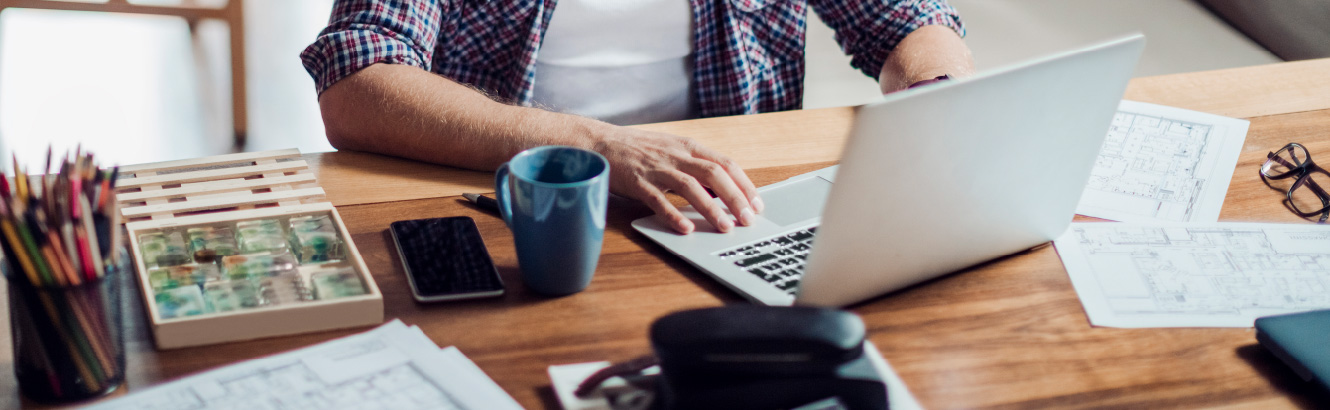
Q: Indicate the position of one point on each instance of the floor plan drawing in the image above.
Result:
(1163, 164)
(1196, 275)
(392, 367)
(296, 386)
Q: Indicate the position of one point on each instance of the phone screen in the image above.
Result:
(445, 259)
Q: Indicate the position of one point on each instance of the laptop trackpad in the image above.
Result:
(796, 202)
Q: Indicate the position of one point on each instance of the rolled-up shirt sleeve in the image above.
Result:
(364, 32)
(868, 30)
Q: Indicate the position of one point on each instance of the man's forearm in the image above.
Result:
(407, 112)
(925, 53)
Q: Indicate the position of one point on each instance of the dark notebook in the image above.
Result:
(1302, 341)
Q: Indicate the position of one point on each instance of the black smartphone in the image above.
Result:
(445, 259)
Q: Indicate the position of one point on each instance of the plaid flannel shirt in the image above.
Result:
(748, 54)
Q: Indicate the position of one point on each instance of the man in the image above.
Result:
(458, 82)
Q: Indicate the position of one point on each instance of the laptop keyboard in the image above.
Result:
(779, 260)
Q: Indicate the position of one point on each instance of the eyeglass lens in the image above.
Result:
(1286, 160)
(1309, 193)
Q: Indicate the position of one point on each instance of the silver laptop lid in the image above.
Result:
(940, 178)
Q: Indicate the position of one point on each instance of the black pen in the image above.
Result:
(483, 202)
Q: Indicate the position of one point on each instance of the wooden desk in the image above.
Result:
(1010, 333)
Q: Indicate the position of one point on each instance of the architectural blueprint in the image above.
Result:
(392, 367)
(1196, 275)
(1163, 164)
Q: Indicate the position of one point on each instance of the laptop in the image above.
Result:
(931, 181)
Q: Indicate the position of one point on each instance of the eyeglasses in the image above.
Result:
(1307, 196)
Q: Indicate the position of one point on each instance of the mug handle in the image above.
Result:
(501, 194)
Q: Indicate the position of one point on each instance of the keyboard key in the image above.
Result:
(801, 236)
(746, 262)
(767, 276)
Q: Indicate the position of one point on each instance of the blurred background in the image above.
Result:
(139, 88)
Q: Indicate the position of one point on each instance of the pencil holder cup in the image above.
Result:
(68, 340)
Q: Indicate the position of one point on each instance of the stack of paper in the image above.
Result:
(392, 367)
(1163, 173)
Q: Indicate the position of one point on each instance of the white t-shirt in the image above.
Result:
(620, 61)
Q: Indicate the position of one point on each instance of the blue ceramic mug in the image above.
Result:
(554, 198)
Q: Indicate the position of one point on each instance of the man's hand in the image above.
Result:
(644, 165)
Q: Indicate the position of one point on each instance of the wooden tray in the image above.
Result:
(228, 188)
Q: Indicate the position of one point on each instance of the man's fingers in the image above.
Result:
(688, 187)
(737, 175)
(655, 199)
(720, 181)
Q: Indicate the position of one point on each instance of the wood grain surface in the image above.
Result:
(1241, 92)
(1007, 334)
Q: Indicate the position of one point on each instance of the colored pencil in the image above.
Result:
(43, 270)
(20, 181)
(94, 249)
(19, 251)
(63, 261)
